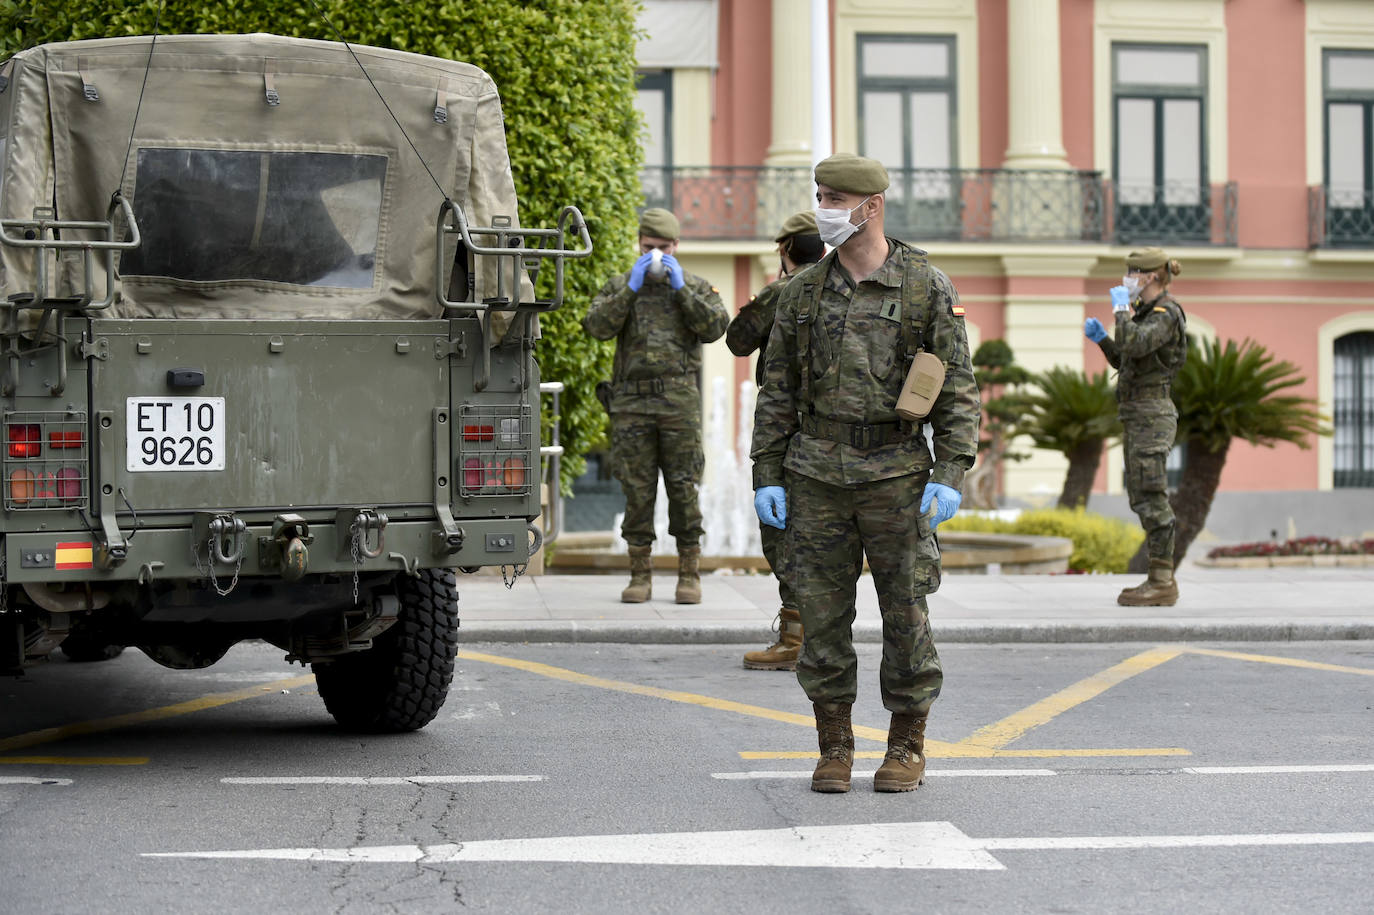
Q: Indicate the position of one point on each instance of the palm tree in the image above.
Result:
(1225, 393)
(1074, 414)
(997, 374)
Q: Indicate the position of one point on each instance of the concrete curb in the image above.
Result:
(706, 633)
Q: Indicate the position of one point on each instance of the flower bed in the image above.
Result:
(1302, 546)
(1303, 551)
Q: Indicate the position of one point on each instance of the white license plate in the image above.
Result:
(174, 433)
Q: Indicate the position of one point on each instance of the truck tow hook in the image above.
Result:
(291, 536)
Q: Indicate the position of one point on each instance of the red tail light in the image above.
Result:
(25, 440)
(72, 439)
(472, 473)
(477, 433)
(69, 484)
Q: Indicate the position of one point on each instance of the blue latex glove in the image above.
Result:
(1121, 298)
(1094, 331)
(946, 500)
(637, 271)
(770, 504)
(676, 278)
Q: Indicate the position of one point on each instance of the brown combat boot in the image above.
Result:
(905, 761)
(1159, 590)
(837, 748)
(782, 654)
(688, 575)
(641, 586)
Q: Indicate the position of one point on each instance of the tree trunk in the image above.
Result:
(1192, 501)
(1078, 482)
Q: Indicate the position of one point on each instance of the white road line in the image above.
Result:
(1274, 770)
(930, 773)
(1062, 843)
(371, 780)
(32, 780)
(863, 846)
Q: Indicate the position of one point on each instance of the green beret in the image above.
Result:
(659, 223)
(852, 174)
(803, 223)
(1147, 259)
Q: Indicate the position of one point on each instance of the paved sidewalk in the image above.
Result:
(1215, 605)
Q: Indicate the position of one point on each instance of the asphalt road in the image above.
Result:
(610, 778)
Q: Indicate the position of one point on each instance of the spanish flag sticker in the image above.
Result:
(956, 310)
(73, 556)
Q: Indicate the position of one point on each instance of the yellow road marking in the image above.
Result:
(1013, 727)
(958, 751)
(1288, 662)
(636, 689)
(48, 735)
(77, 760)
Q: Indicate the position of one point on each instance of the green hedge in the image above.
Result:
(566, 73)
(1100, 544)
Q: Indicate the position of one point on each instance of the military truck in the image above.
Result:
(268, 324)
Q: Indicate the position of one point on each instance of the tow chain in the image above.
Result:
(518, 569)
(356, 549)
(208, 570)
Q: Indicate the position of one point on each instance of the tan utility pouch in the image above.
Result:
(921, 387)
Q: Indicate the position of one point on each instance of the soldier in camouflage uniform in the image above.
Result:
(858, 480)
(659, 315)
(799, 244)
(1147, 350)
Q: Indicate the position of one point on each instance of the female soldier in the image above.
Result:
(799, 244)
(1147, 350)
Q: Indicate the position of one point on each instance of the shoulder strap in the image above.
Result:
(917, 284)
(808, 304)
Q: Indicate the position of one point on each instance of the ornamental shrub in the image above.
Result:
(566, 73)
(1100, 544)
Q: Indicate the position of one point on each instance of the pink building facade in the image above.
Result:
(1032, 143)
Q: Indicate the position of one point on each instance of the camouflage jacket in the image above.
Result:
(1148, 348)
(859, 360)
(658, 333)
(749, 330)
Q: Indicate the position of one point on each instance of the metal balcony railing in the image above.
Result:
(1340, 217)
(992, 205)
(1175, 213)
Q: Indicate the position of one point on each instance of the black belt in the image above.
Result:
(860, 435)
(654, 385)
(1146, 392)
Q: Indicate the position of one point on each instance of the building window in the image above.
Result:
(654, 99)
(908, 116)
(1348, 104)
(1353, 411)
(1159, 102)
(1174, 464)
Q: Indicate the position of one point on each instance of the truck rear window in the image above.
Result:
(304, 218)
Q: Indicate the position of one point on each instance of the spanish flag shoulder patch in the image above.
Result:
(956, 310)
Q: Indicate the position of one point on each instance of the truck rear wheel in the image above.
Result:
(399, 683)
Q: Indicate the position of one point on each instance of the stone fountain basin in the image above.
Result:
(589, 552)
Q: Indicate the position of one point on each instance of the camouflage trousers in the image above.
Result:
(642, 444)
(1150, 427)
(830, 529)
(775, 551)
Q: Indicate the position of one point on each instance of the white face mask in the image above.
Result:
(834, 225)
(1134, 283)
(656, 268)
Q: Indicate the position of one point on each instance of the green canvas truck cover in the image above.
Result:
(247, 150)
